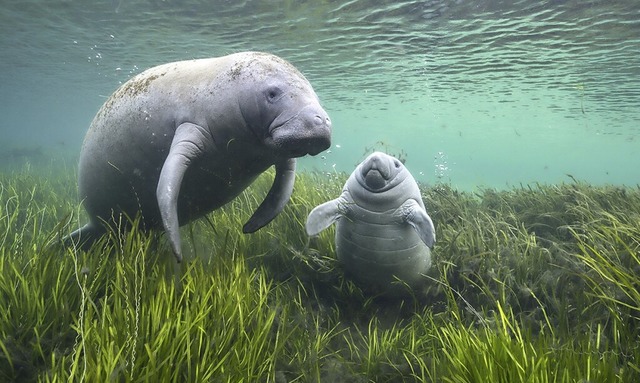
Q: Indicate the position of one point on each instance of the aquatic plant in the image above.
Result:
(538, 283)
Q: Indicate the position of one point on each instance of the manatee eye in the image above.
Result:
(397, 164)
(273, 94)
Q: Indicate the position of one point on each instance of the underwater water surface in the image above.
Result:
(473, 93)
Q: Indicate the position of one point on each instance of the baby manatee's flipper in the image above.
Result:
(277, 197)
(417, 217)
(323, 216)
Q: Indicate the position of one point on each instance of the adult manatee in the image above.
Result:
(383, 232)
(182, 139)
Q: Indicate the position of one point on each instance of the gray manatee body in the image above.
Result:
(182, 139)
(383, 232)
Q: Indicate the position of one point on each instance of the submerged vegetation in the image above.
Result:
(537, 284)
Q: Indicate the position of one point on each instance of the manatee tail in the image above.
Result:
(84, 237)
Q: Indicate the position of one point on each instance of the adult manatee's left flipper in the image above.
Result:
(189, 142)
(418, 218)
(277, 198)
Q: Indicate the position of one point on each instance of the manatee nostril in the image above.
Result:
(319, 120)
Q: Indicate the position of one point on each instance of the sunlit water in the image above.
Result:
(475, 93)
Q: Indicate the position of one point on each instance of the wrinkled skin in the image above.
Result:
(182, 139)
(383, 232)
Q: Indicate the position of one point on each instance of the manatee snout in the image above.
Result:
(320, 136)
(307, 133)
(319, 142)
(376, 172)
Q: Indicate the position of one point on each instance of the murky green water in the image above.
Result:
(491, 93)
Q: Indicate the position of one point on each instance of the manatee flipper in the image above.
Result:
(323, 216)
(84, 237)
(417, 217)
(277, 197)
(189, 142)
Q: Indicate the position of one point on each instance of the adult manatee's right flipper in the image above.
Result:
(189, 142)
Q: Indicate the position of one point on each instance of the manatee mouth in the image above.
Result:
(299, 152)
(374, 179)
